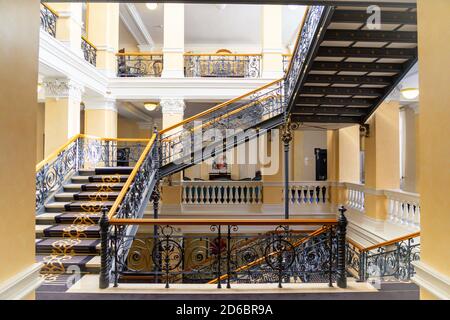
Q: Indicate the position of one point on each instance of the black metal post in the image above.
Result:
(155, 199)
(116, 257)
(341, 247)
(287, 138)
(219, 257)
(228, 257)
(167, 260)
(104, 257)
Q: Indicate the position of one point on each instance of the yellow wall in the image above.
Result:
(127, 128)
(434, 62)
(349, 163)
(126, 40)
(19, 29)
(100, 123)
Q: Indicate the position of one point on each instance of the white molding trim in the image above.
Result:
(173, 50)
(431, 280)
(22, 284)
(100, 104)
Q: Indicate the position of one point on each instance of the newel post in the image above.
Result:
(341, 247)
(104, 257)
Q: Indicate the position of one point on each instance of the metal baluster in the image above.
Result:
(104, 258)
(341, 235)
(330, 258)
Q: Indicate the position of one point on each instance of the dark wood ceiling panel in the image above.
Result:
(354, 16)
(371, 36)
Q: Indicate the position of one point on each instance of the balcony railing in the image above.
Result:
(390, 260)
(355, 196)
(222, 65)
(89, 51)
(403, 208)
(222, 192)
(48, 19)
(309, 193)
(134, 64)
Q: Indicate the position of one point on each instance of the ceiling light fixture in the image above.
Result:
(150, 106)
(410, 93)
(151, 5)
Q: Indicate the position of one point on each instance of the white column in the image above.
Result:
(100, 117)
(173, 49)
(172, 111)
(272, 65)
(69, 25)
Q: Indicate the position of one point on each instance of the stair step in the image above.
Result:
(108, 187)
(76, 217)
(114, 170)
(67, 246)
(86, 172)
(67, 230)
(80, 179)
(86, 263)
(78, 206)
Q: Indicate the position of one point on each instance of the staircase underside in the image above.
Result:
(352, 69)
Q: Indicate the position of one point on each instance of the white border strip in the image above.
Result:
(431, 280)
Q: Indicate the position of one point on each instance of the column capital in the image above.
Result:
(172, 105)
(62, 88)
(415, 107)
(100, 103)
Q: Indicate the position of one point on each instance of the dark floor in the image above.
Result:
(389, 291)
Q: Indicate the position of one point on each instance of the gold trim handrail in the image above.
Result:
(50, 9)
(356, 245)
(261, 259)
(55, 153)
(88, 42)
(130, 179)
(121, 54)
(224, 222)
(219, 106)
(190, 54)
(387, 243)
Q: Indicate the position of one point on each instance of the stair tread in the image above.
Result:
(68, 246)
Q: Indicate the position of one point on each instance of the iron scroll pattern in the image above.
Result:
(308, 33)
(52, 175)
(48, 21)
(139, 66)
(223, 123)
(388, 263)
(223, 66)
(134, 200)
(281, 256)
(89, 52)
(83, 153)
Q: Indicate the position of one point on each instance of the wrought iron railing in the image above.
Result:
(83, 152)
(244, 112)
(391, 260)
(308, 34)
(48, 19)
(222, 65)
(222, 253)
(89, 51)
(132, 64)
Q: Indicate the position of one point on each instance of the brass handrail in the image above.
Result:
(224, 222)
(55, 153)
(130, 179)
(393, 241)
(219, 106)
(50, 9)
(305, 15)
(262, 259)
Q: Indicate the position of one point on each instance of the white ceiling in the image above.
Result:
(211, 24)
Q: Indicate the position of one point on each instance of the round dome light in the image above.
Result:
(151, 5)
(150, 106)
(410, 93)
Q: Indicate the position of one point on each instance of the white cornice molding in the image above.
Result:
(22, 284)
(133, 21)
(100, 104)
(62, 88)
(172, 105)
(431, 280)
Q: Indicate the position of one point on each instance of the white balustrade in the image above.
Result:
(355, 196)
(222, 192)
(304, 193)
(403, 208)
